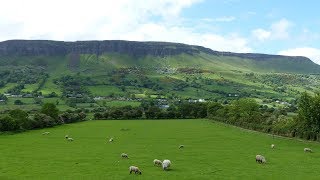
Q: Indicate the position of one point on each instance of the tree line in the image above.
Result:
(152, 110)
(48, 116)
(245, 112)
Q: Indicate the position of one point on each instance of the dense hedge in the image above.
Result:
(248, 114)
(19, 120)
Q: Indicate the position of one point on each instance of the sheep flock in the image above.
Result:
(166, 163)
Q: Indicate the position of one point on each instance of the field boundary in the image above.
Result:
(258, 132)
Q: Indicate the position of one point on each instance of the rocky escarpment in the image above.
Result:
(132, 48)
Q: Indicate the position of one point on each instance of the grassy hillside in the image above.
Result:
(171, 71)
(200, 60)
(212, 151)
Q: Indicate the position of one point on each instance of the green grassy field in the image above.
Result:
(119, 103)
(29, 104)
(212, 151)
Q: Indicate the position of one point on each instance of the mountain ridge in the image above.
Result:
(133, 48)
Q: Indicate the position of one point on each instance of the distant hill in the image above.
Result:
(138, 50)
(86, 69)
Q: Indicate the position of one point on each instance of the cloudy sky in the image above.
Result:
(289, 27)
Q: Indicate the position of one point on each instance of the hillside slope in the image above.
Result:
(127, 69)
(140, 50)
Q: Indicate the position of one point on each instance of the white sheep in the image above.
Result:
(124, 155)
(45, 133)
(134, 169)
(66, 136)
(307, 150)
(272, 146)
(70, 139)
(260, 159)
(166, 164)
(181, 146)
(111, 140)
(157, 162)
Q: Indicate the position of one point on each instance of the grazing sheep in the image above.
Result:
(66, 136)
(272, 146)
(260, 159)
(124, 155)
(157, 162)
(166, 164)
(181, 146)
(70, 139)
(111, 140)
(45, 133)
(307, 150)
(134, 169)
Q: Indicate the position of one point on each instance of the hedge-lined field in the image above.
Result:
(212, 151)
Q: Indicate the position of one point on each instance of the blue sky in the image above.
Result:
(243, 17)
(289, 27)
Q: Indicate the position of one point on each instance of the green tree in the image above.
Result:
(213, 108)
(305, 112)
(7, 123)
(42, 120)
(309, 116)
(50, 109)
(18, 102)
(21, 118)
(244, 111)
(98, 115)
(152, 112)
(116, 113)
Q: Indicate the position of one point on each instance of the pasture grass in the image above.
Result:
(50, 87)
(115, 103)
(30, 87)
(104, 90)
(29, 104)
(7, 87)
(212, 151)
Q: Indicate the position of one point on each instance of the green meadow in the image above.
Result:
(211, 151)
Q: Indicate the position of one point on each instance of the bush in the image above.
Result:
(18, 102)
(98, 115)
(42, 121)
(72, 117)
(213, 108)
(21, 118)
(7, 123)
(50, 109)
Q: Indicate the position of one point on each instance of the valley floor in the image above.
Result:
(211, 151)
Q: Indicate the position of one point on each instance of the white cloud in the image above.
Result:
(231, 42)
(139, 20)
(261, 34)
(62, 19)
(312, 53)
(278, 31)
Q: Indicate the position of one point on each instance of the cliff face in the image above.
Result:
(31, 48)
(132, 48)
(48, 48)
